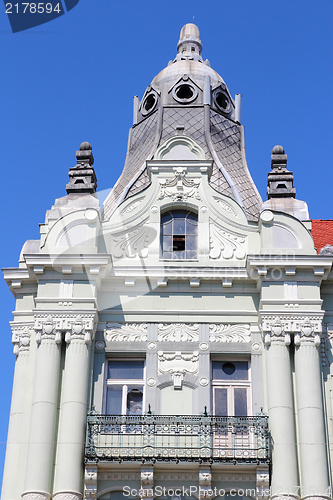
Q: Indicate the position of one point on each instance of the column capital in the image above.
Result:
(48, 328)
(280, 327)
(21, 336)
(80, 326)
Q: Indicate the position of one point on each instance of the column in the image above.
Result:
(73, 412)
(13, 476)
(310, 413)
(281, 411)
(39, 470)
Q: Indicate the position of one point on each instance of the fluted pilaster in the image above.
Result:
(44, 411)
(310, 415)
(73, 413)
(281, 412)
(13, 475)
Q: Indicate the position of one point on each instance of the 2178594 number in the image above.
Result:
(32, 8)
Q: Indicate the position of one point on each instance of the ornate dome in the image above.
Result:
(190, 99)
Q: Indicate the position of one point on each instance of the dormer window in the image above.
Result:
(179, 235)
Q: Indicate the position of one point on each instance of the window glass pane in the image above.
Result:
(191, 254)
(166, 217)
(167, 228)
(230, 370)
(240, 398)
(167, 255)
(179, 226)
(191, 242)
(125, 369)
(191, 217)
(191, 228)
(178, 255)
(113, 400)
(134, 402)
(221, 402)
(178, 214)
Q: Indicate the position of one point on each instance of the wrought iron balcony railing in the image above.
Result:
(192, 438)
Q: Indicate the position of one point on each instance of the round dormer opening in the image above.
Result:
(184, 93)
(149, 103)
(222, 101)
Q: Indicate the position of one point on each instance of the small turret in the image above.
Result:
(82, 177)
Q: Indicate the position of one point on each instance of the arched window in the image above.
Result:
(179, 235)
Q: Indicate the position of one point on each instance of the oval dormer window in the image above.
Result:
(149, 103)
(184, 93)
(222, 101)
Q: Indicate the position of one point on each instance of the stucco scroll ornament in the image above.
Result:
(178, 332)
(219, 332)
(307, 333)
(129, 332)
(80, 329)
(178, 364)
(49, 329)
(179, 187)
(133, 242)
(21, 335)
(224, 244)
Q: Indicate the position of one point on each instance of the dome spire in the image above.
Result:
(189, 45)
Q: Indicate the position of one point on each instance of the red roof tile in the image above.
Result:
(322, 233)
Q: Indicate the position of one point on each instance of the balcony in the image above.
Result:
(168, 438)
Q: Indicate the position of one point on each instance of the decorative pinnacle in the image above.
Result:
(82, 178)
(280, 181)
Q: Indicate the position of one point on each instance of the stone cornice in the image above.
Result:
(319, 265)
(65, 264)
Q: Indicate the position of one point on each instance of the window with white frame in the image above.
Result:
(179, 235)
(231, 388)
(124, 387)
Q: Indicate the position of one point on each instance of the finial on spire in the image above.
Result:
(189, 45)
(82, 177)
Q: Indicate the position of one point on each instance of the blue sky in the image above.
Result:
(73, 79)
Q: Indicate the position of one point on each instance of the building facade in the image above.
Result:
(176, 341)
